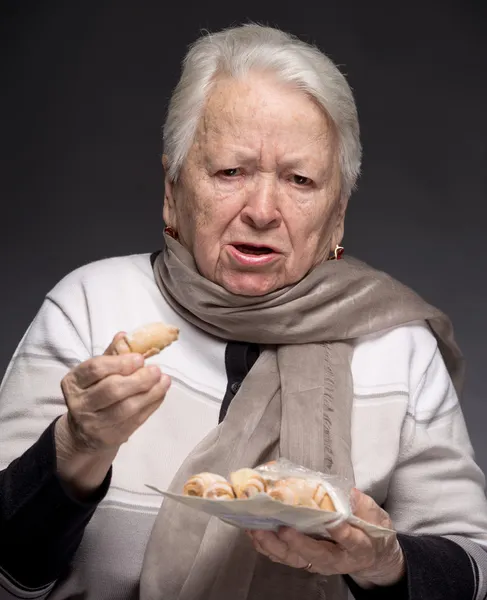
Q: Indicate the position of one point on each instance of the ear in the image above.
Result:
(169, 207)
(337, 236)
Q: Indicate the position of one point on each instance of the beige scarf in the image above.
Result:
(295, 402)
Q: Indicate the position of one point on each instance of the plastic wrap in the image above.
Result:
(273, 495)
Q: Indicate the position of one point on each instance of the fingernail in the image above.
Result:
(154, 370)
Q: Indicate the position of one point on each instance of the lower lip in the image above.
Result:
(252, 260)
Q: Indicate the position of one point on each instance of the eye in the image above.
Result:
(301, 180)
(230, 172)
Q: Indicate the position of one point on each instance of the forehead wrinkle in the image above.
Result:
(226, 119)
(241, 140)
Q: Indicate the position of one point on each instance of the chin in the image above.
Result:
(249, 285)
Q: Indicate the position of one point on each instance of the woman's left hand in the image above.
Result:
(370, 561)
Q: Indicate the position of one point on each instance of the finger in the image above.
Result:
(354, 541)
(259, 548)
(354, 499)
(367, 509)
(262, 551)
(144, 414)
(116, 388)
(118, 345)
(309, 548)
(140, 418)
(273, 546)
(114, 425)
(135, 409)
(95, 369)
(296, 539)
(363, 505)
(127, 427)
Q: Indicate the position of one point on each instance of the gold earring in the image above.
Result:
(337, 253)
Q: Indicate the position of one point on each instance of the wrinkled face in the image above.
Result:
(258, 199)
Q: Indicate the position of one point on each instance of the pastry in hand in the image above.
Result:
(149, 339)
(247, 483)
(209, 485)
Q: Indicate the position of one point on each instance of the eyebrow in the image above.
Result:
(241, 155)
(298, 162)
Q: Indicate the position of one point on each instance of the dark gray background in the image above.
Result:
(84, 93)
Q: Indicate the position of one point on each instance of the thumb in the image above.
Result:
(359, 502)
(364, 507)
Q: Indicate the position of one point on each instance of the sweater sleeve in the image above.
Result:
(436, 494)
(41, 525)
(429, 576)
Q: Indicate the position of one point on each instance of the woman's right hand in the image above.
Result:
(108, 397)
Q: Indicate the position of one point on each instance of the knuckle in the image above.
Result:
(158, 392)
(146, 379)
(384, 519)
(132, 406)
(94, 368)
(66, 383)
(70, 390)
(142, 417)
(114, 390)
(120, 346)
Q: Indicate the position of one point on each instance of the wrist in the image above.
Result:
(388, 575)
(81, 470)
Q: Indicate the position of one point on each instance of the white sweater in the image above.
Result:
(410, 447)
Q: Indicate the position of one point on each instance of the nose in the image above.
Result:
(261, 210)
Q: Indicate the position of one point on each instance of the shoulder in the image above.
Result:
(110, 281)
(398, 357)
(103, 274)
(106, 296)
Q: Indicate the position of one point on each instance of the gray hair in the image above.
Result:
(235, 52)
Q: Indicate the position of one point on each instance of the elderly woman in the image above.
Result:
(282, 352)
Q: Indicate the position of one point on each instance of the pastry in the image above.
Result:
(150, 339)
(209, 485)
(322, 498)
(247, 483)
(301, 492)
(283, 493)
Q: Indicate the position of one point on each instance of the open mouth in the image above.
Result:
(254, 250)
